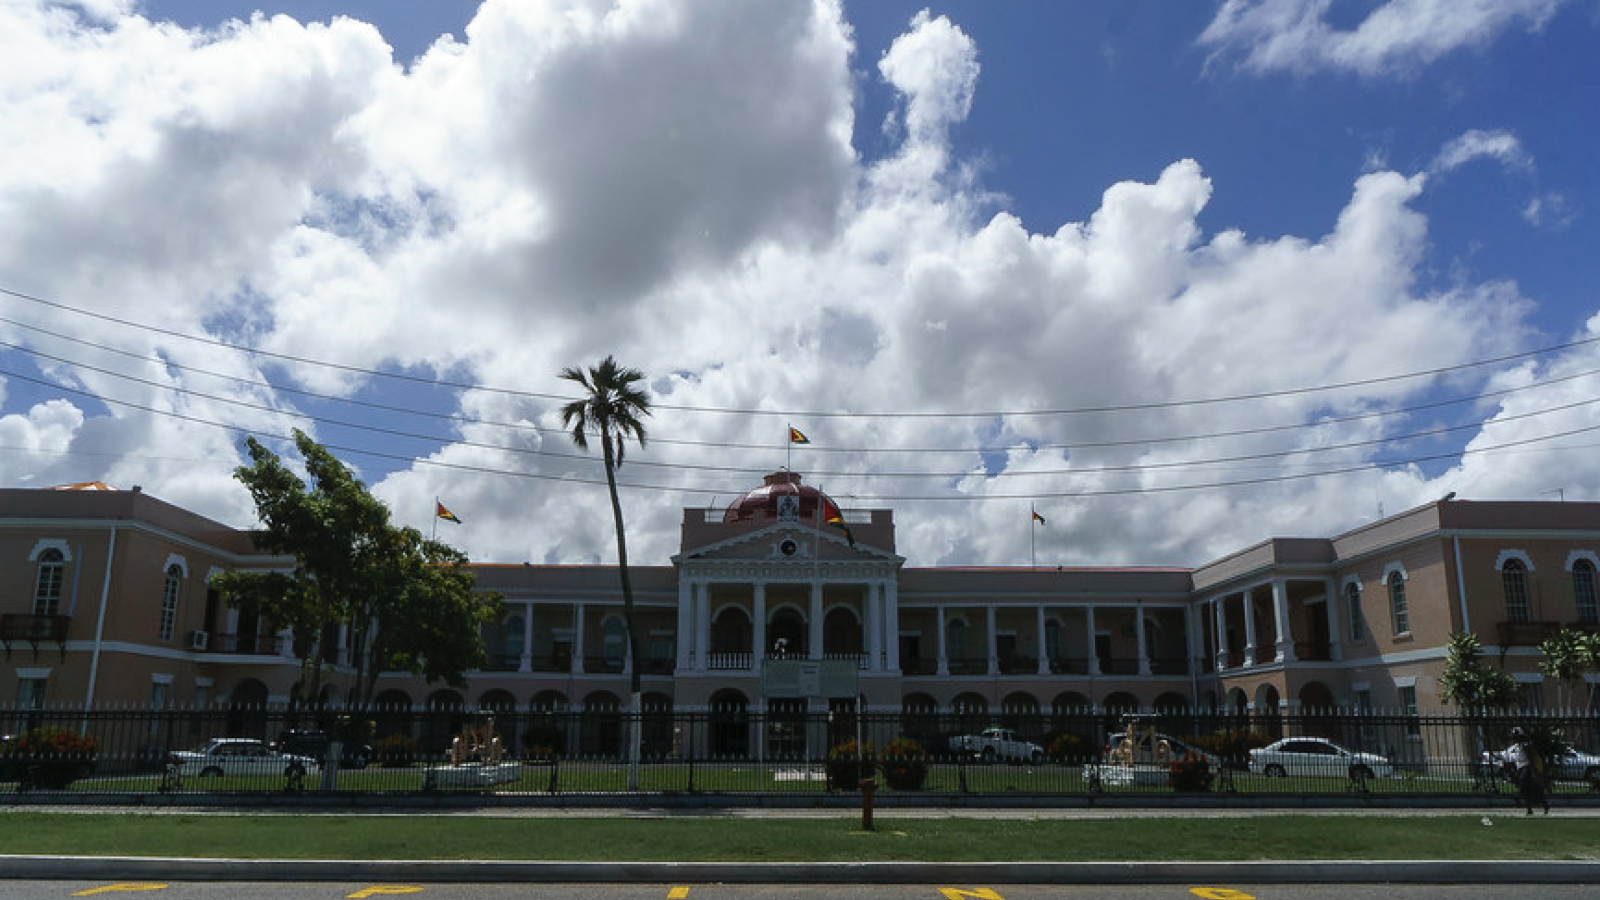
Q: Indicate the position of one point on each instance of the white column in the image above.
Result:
(1219, 627)
(702, 625)
(992, 641)
(1249, 631)
(685, 624)
(577, 638)
(872, 613)
(1280, 620)
(1038, 632)
(1138, 630)
(816, 620)
(891, 624)
(526, 663)
(1088, 625)
(944, 661)
(1331, 607)
(342, 653)
(758, 625)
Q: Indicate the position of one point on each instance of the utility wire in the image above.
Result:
(822, 414)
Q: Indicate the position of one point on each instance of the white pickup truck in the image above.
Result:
(995, 744)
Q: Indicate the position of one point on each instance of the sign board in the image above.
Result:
(821, 678)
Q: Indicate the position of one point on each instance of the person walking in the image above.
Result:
(1528, 767)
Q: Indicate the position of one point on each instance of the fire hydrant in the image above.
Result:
(869, 787)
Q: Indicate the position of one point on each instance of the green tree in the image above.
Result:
(1568, 655)
(613, 410)
(409, 604)
(1471, 683)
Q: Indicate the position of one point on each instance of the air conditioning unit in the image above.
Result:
(199, 640)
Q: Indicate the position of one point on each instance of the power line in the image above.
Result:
(824, 414)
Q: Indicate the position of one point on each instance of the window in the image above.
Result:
(1531, 695)
(955, 640)
(1352, 608)
(47, 588)
(1514, 578)
(614, 640)
(30, 693)
(1583, 592)
(1408, 704)
(1397, 603)
(169, 601)
(1052, 639)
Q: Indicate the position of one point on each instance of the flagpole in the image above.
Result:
(1033, 525)
(434, 534)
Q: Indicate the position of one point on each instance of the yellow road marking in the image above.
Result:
(125, 887)
(1216, 893)
(980, 893)
(390, 889)
(678, 893)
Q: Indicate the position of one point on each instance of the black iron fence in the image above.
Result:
(734, 751)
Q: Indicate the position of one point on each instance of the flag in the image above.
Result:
(795, 437)
(1038, 518)
(832, 516)
(439, 511)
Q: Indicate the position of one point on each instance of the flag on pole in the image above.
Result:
(795, 437)
(441, 512)
(832, 516)
(1038, 518)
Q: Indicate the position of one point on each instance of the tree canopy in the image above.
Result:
(1469, 682)
(408, 603)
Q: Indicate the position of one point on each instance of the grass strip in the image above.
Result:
(712, 839)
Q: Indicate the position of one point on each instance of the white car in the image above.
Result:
(996, 743)
(1573, 765)
(1318, 758)
(242, 757)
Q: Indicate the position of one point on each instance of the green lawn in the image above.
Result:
(1506, 835)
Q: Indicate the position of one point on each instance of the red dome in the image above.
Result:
(762, 503)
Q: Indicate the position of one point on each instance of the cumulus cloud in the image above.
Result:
(1398, 36)
(674, 183)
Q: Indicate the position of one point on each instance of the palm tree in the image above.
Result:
(613, 410)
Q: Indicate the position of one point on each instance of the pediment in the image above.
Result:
(785, 545)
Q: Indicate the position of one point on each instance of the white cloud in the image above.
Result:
(1501, 146)
(674, 184)
(1396, 37)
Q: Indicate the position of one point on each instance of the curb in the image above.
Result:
(58, 868)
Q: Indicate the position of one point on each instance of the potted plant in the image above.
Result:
(904, 764)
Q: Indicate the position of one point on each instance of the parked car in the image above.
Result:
(315, 745)
(1308, 756)
(1573, 765)
(1147, 750)
(995, 744)
(243, 757)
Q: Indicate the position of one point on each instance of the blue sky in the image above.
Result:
(987, 255)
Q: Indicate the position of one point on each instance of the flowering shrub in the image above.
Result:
(396, 750)
(1067, 747)
(846, 767)
(48, 757)
(1190, 772)
(905, 764)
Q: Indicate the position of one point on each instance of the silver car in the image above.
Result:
(242, 757)
(1316, 757)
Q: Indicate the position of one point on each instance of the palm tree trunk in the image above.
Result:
(636, 713)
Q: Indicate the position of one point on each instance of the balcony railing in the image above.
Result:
(1070, 665)
(1525, 634)
(34, 630)
(247, 644)
(31, 628)
(1312, 651)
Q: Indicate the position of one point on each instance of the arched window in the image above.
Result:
(1397, 603)
(955, 639)
(1583, 592)
(47, 587)
(1352, 608)
(1514, 579)
(169, 601)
